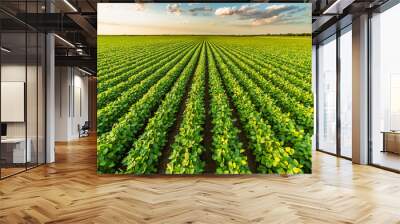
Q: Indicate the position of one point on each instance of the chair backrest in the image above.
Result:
(86, 125)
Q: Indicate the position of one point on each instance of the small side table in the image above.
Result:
(391, 141)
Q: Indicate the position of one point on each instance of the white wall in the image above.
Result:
(71, 87)
(14, 72)
(81, 103)
(17, 73)
(62, 82)
(33, 127)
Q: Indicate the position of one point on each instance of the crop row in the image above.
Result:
(285, 130)
(122, 60)
(122, 74)
(295, 86)
(187, 146)
(114, 92)
(146, 150)
(218, 78)
(112, 146)
(226, 147)
(270, 154)
(271, 64)
(110, 114)
(123, 54)
(286, 60)
(302, 115)
(287, 52)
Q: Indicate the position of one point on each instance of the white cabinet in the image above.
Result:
(19, 155)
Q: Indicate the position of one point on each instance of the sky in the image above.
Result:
(203, 18)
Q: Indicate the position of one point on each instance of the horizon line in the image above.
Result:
(268, 34)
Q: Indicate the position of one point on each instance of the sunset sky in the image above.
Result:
(203, 18)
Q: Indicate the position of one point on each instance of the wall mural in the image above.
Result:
(201, 88)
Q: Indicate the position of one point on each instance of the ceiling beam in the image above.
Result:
(86, 27)
(337, 7)
(79, 61)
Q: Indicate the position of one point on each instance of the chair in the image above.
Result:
(84, 130)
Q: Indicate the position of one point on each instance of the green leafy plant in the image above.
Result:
(269, 152)
(112, 146)
(227, 149)
(187, 147)
(143, 155)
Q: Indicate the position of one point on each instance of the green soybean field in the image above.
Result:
(204, 104)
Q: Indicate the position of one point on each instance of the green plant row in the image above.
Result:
(111, 147)
(303, 116)
(271, 156)
(284, 128)
(279, 78)
(114, 92)
(108, 115)
(187, 146)
(124, 65)
(116, 59)
(300, 79)
(121, 75)
(293, 59)
(226, 147)
(286, 62)
(143, 155)
(119, 55)
(112, 48)
(289, 57)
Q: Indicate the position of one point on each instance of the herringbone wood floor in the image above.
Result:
(69, 191)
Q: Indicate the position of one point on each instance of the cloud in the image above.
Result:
(265, 21)
(275, 7)
(201, 10)
(244, 10)
(174, 9)
(225, 11)
(272, 14)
